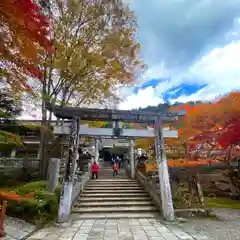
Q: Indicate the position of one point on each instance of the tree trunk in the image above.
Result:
(43, 136)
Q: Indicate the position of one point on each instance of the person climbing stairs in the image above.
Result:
(114, 197)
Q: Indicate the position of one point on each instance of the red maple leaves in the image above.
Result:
(23, 29)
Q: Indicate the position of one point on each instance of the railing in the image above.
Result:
(19, 162)
(80, 184)
(151, 185)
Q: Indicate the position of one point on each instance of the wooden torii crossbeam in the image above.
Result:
(109, 115)
(116, 116)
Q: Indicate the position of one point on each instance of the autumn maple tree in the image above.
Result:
(215, 124)
(23, 29)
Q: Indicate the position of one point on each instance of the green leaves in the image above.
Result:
(10, 138)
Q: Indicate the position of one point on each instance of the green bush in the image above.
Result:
(32, 187)
(12, 177)
(41, 209)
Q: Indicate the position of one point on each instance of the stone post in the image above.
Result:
(13, 153)
(68, 179)
(97, 146)
(132, 157)
(53, 174)
(164, 181)
(39, 153)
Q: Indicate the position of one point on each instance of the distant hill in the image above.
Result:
(163, 107)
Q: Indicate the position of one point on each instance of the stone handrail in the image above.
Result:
(151, 186)
(79, 185)
(127, 168)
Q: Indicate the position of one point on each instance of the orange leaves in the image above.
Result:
(30, 195)
(10, 196)
(215, 122)
(189, 163)
(16, 197)
(22, 30)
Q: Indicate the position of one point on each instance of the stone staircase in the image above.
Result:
(113, 197)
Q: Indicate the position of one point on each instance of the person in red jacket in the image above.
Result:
(95, 169)
(115, 169)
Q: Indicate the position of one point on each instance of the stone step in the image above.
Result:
(120, 191)
(111, 173)
(112, 199)
(106, 170)
(111, 187)
(92, 182)
(124, 215)
(114, 203)
(113, 180)
(117, 177)
(115, 209)
(123, 186)
(120, 195)
(103, 184)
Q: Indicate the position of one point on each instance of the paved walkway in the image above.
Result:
(17, 229)
(123, 229)
(226, 227)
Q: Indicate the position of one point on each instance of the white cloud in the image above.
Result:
(220, 69)
(145, 97)
(220, 63)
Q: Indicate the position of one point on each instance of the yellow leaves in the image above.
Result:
(116, 65)
(94, 49)
(8, 137)
(94, 124)
(144, 143)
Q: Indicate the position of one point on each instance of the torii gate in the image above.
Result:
(116, 116)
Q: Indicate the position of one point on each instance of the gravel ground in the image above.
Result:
(227, 227)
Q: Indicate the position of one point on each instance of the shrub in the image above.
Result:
(12, 177)
(41, 209)
(32, 187)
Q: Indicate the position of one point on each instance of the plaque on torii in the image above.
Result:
(117, 116)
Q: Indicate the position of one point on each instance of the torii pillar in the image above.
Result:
(132, 159)
(97, 147)
(164, 181)
(68, 179)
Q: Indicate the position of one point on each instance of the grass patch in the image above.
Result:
(218, 202)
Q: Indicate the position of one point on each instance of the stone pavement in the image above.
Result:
(111, 229)
(17, 229)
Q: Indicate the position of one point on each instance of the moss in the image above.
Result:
(31, 187)
(218, 202)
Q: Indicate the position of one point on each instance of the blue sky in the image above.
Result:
(191, 47)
